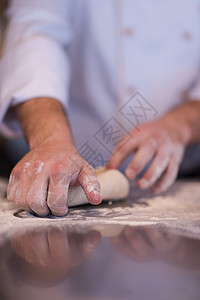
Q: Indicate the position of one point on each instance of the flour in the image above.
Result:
(178, 209)
(39, 168)
(90, 182)
(26, 165)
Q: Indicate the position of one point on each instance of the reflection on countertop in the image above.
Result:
(100, 262)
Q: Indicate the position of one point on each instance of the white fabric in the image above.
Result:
(92, 54)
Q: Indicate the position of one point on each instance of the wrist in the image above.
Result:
(43, 120)
(47, 138)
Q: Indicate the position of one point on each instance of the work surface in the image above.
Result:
(146, 247)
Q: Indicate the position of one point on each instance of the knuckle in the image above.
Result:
(38, 167)
(58, 167)
(87, 174)
(25, 166)
(88, 168)
(75, 162)
(152, 144)
(151, 175)
(118, 155)
(148, 176)
(97, 185)
(59, 180)
(137, 167)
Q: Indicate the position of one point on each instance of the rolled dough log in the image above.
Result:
(114, 186)
(109, 231)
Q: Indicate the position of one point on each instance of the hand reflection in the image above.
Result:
(53, 252)
(153, 243)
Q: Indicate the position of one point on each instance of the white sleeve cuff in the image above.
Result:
(34, 64)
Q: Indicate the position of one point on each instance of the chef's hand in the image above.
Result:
(157, 142)
(40, 181)
(45, 257)
(55, 248)
(145, 244)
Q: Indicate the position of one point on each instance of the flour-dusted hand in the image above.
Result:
(40, 181)
(55, 248)
(153, 142)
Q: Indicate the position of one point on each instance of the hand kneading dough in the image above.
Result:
(114, 186)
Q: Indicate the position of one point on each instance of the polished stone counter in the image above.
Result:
(145, 247)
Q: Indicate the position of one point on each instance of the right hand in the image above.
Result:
(145, 244)
(40, 181)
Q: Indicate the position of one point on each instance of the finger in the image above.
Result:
(123, 246)
(60, 253)
(83, 245)
(90, 184)
(31, 246)
(24, 182)
(37, 248)
(57, 194)
(90, 243)
(37, 194)
(167, 178)
(144, 154)
(14, 192)
(18, 244)
(123, 149)
(125, 243)
(12, 186)
(160, 239)
(140, 244)
(155, 170)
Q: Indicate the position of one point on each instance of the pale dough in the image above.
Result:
(114, 186)
(109, 231)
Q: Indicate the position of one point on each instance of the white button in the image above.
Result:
(186, 35)
(128, 31)
(131, 90)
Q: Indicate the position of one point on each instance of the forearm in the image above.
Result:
(184, 122)
(43, 119)
(40, 180)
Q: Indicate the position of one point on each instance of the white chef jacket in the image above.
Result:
(113, 64)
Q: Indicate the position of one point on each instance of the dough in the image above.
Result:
(114, 186)
(109, 231)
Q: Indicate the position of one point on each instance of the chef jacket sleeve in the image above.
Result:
(34, 60)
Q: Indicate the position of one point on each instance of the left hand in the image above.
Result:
(55, 248)
(157, 141)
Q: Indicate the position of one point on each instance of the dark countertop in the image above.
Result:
(144, 247)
